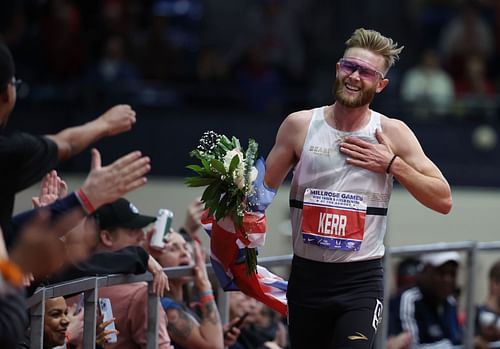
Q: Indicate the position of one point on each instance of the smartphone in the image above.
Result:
(107, 313)
(162, 226)
(79, 305)
(238, 323)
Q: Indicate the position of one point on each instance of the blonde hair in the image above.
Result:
(374, 41)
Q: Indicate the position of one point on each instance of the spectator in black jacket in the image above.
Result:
(27, 158)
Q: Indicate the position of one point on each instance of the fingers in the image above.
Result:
(63, 188)
(36, 202)
(352, 151)
(106, 323)
(355, 146)
(160, 283)
(126, 160)
(108, 183)
(356, 141)
(95, 162)
(136, 169)
(127, 110)
(52, 184)
(167, 285)
(234, 321)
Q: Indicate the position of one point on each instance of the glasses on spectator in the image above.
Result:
(365, 73)
(16, 83)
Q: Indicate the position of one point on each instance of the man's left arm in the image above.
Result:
(399, 153)
(415, 171)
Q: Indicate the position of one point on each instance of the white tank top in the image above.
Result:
(322, 166)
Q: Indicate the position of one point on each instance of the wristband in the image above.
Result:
(84, 200)
(388, 169)
(206, 293)
(207, 298)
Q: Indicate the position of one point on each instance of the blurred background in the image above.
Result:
(240, 66)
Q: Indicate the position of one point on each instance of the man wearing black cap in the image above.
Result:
(26, 158)
(120, 227)
(120, 224)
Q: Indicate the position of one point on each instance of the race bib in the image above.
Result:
(333, 220)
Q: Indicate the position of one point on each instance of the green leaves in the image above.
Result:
(198, 181)
(219, 166)
(222, 195)
(234, 162)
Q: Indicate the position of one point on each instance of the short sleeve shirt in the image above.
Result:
(24, 160)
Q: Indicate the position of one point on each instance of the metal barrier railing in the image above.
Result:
(470, 247)
(90, 286)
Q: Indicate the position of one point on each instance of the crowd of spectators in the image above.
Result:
(160, 52)
(265, 56)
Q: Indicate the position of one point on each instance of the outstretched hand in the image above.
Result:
(193, 216)
(373, 157)
(105, 184)
(52, 187)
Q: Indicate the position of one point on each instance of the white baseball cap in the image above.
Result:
(440, 258)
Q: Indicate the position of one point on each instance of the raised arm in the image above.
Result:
(73, 140)
(287, 148)
(183, 328)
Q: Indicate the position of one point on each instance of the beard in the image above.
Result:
(364, 97)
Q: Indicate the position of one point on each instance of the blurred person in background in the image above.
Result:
(466, 34)
(119, 225)
(428, 311)
(427, 88)
(476, 92)
(406, 277)
(488, 314)
(59, 325)
(187, 328)
(261, 327)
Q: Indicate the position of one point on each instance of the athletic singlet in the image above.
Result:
(338, 211)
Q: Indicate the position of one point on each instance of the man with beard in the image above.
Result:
(345, 157)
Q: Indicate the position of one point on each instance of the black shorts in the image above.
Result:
(334, 305)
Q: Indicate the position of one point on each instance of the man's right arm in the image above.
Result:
(287, 148)
(73, 140)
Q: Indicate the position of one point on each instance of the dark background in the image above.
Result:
(239, 67)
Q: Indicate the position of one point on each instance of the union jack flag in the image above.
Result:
(227, 244)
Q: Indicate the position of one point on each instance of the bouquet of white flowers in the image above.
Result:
(228, 172)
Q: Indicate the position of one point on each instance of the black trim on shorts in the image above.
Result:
(373, 211)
